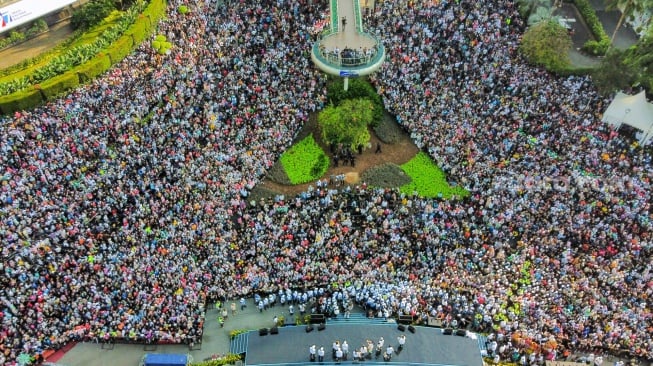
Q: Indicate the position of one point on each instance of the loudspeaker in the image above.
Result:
(322, 326)
(274, 330)
(447, 331)
(461, 332)
(309, 328)
(263, 331)
(405, 319)
(411, 329)
(401, 327)
(317, 318)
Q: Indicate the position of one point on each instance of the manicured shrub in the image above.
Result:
(21, 100)
(387, 175)
(388, 130)
(305, 161)
(120, 48)
(428, 180)
(278, 174)
(58, 85)
(93, 68)
(182, 9)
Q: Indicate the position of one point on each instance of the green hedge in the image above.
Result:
(93, 68)
(602, 42)
(118, 50)
(59, 84)
(21, 100)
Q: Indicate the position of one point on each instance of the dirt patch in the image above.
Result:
(398, 153)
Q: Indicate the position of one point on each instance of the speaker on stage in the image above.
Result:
(322, 326)
(263, 331)
(411, 329)
(461, 332)
(317, 318)
(309, 328)
(447, 331)
(401, 327)
(405, 319)
(274, 330)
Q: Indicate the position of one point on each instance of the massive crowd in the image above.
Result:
(125, 205)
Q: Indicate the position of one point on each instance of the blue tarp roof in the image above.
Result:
(156, 359)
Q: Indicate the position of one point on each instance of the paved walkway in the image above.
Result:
(349, 36)
(36, 46)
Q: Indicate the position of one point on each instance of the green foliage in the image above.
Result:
(14, 37)
(388, 130)
(15, 93)
(428, 180)
(387, 175)
(547, 44)
(527, 7)
(58, 85)
(91, 13)
(161, 45)
(305, 161)
(622, 69)
(120, 49)
(614, 73)
(236, 332)
(21, 100)
(357, 88)
(75, 56)
(182, 9)
(347, 123)
(601, 43)
(229, 359)
(94, 68)
(540, 14)
(39, 26)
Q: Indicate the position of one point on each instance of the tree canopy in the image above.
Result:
(347, 123)
(547, 44)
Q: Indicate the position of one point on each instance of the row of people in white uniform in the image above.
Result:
(340, 352)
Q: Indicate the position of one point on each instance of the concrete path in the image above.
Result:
(36, 46)
(349, 36)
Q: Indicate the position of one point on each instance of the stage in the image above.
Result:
(427, 346)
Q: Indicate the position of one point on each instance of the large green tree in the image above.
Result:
(547, 44)
(347, 123)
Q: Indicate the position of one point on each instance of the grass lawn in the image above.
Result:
(428, 180)
(305, 161)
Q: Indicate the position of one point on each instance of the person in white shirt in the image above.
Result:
(401, 340)
(345, 350)
(390, 351)
(311, 352)
(320, 354)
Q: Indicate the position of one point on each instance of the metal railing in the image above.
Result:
(347, 58)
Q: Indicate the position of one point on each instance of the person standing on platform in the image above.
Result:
(312, 350)
(320, 354)
(401, 340)
(389, 351)
(243, 304)
(345, 350)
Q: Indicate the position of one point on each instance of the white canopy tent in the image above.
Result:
(632, 110)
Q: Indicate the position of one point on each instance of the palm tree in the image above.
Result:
(628, 9)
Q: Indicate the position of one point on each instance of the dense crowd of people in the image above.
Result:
(125, 205)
